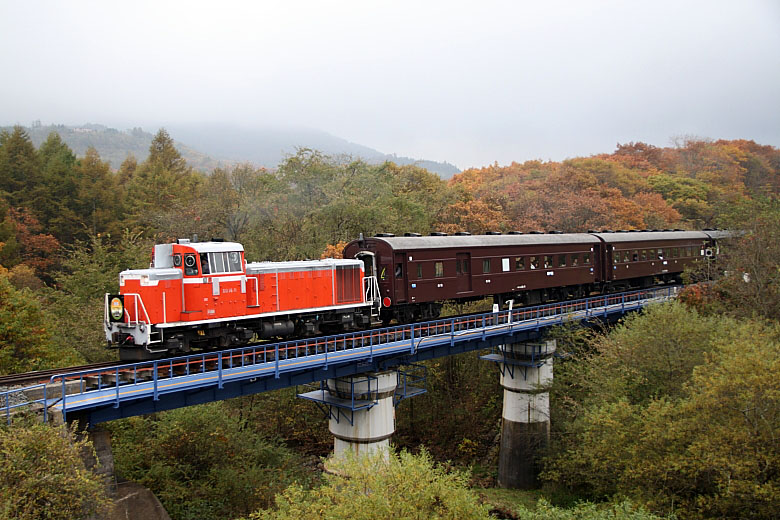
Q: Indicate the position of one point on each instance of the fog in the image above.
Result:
(466, 82)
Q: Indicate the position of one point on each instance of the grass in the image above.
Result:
(509, 500)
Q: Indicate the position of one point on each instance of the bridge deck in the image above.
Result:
(149, 386)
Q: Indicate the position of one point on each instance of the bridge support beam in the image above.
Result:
(368, 430)
(526, 376)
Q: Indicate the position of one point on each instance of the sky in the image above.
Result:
(471, 83)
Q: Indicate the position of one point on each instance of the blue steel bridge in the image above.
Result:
(126, 390)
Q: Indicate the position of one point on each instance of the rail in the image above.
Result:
(153, 378)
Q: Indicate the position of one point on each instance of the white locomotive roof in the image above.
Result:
(642, 236)
(437, 242)
(215, 247)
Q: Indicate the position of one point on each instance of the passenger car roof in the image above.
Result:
(437, 242)
(642, 236)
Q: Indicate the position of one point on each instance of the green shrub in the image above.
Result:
(42, 475)
(204, 462)
(371, 487)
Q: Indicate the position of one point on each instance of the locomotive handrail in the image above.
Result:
(137, 298)
(371, 291)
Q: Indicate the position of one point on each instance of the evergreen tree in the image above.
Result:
(55, 203)
(98, 199)
(19, 167)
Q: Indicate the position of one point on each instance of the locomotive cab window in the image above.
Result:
(439, 269)
(204, 263)
(486, 265)
(234, 259)
(216, 263)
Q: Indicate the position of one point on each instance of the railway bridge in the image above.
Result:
(361, 376)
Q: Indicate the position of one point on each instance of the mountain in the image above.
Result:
(269, 146)
(211, 145)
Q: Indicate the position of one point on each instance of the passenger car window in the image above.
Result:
(575, 260)
(635, 256)
(505, 264)
(486, 265)
(644, 254)
(586, 258)
(439, 269)
(419, 270)
(399, 270)
(547, 262)
(519, 263)
(561, 260)
(534, 262)
(626, 256)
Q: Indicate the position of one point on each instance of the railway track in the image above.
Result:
(43, 376)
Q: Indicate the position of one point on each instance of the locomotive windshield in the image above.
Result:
(215, 263)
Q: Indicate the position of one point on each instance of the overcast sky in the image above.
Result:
(471, 83)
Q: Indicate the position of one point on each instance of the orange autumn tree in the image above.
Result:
(637, 186)
(334, 251)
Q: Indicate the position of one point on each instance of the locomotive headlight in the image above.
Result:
(116, 308)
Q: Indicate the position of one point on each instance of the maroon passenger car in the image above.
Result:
(415, 274)
(637, 259)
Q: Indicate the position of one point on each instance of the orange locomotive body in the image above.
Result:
(205, 295)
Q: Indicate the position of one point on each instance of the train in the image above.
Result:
(205, 295)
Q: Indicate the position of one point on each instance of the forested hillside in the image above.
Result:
(209, 146)
(113, 145)
(677, 409)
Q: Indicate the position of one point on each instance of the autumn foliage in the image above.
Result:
(639, 186)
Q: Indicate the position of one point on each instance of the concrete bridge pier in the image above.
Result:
(526, 374)
(364, 429)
